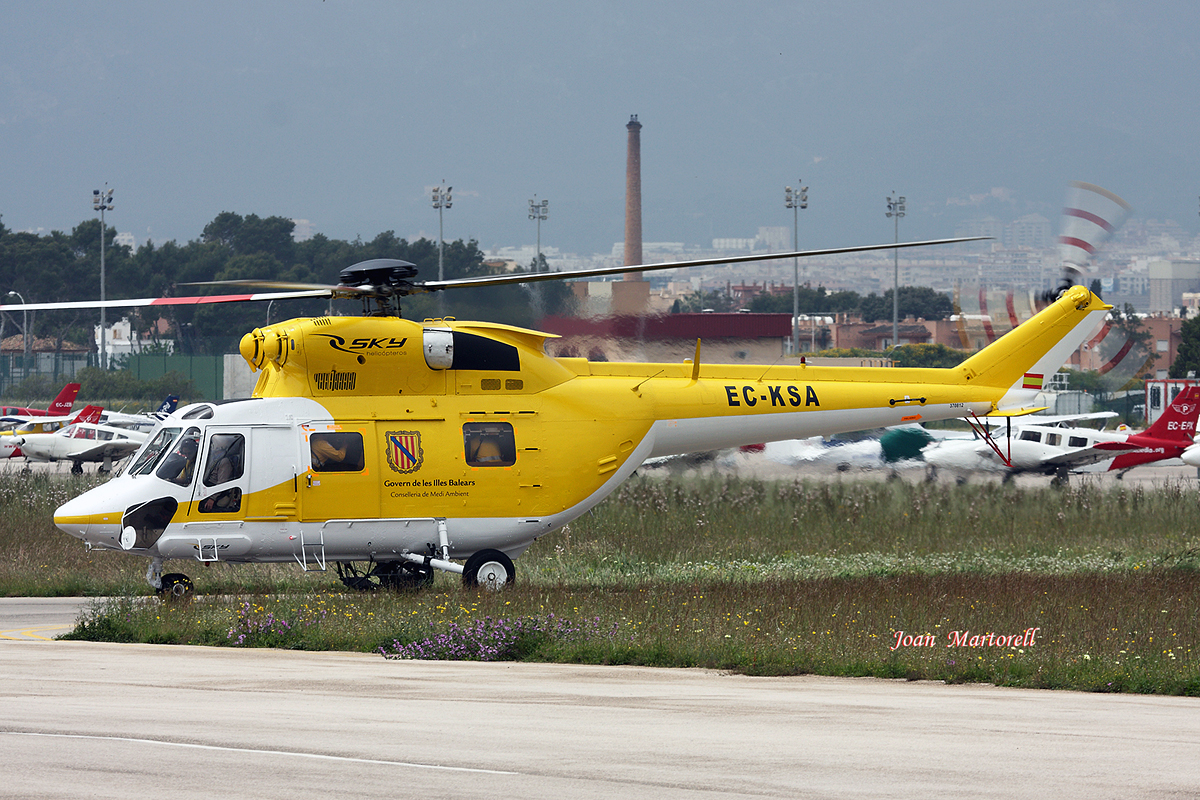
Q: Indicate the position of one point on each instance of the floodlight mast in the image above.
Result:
(895, 211)
(102, 201)
(796, 200)
(539, 211)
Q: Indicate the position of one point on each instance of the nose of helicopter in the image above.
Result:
(90, 517)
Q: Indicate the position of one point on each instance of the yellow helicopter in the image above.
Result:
(413, 446)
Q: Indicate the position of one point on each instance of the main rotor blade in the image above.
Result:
(434, 286)
(165, 301)
(257, 284)
(532, 277)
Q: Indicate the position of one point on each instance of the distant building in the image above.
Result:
(775, 239)
(730, 244)
(725, 338)
(121, 340)
(1168, 280)
(1031, 231)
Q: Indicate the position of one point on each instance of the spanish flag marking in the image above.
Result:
(1032, 381)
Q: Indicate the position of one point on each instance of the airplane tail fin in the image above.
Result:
(1023, 359)
(1178, 420)
(89, 414)
(168, 404)
(66, 398)
(1167, 437)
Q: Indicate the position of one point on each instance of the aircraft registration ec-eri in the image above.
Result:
(407, 445)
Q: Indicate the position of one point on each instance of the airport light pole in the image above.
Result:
(441, 202)
(895, 211)
(796, 200)
(102, 201)
(24, 330)
(539, 211)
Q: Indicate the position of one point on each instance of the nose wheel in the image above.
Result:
(176, 585)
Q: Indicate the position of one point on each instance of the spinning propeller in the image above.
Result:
(1091, 215)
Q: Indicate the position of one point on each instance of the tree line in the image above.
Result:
(915, 301)
(63, 266)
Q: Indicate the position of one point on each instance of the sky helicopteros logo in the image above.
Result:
(365, 344)
(404, 453)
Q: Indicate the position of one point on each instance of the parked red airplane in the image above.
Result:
(1168, 437)
(59, 408)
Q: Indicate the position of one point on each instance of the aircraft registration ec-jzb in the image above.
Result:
(413, 445)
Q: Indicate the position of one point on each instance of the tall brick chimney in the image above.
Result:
(633, 198)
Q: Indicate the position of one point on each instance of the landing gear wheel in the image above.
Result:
(489, 569)
(176, 586)
(403, 575)
(77, 468)
(394, 575)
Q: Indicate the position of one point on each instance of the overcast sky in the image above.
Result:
(346, 113)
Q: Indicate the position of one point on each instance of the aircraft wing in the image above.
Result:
(1117, 446)
(98, 451)
(1077, 458)
(1051, 419)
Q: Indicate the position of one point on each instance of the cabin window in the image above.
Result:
(480, 352)
(1031, 436)
(1053, 439)
(226, 462)
(489, 444)
(225, 458)
(1077, 441)
(223, 502)
(337, 452)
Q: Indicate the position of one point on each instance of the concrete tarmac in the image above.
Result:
(39, 618)
(117, 721)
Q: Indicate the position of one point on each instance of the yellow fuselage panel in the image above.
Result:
(333, 357)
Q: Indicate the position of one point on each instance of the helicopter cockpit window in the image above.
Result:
(224, 463)
(336, 452)
(180, 465)
(153, 450)
(489, 444)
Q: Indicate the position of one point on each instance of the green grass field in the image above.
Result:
(1077, 588)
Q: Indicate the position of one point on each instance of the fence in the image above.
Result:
(14, 367)
(206, 372)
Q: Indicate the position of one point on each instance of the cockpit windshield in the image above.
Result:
(180, 466)
(154, 450)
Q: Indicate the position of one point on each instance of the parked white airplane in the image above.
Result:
(141, 422)
(1056, 448)
(80, 442)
